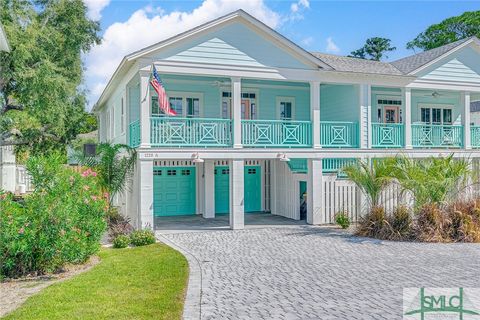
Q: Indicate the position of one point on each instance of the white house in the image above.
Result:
(260, 120)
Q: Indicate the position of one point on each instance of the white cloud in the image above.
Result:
(332, 46)
(307, 41)
(296, 9)
(150, 25)
(95, 8)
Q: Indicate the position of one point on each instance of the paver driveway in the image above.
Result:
(304, 272)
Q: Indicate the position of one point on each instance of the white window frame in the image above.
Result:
(184, 95)
(435, 106)
(279, 100)
(381, 106)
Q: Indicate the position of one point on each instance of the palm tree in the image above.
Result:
(432, 180)
(114, 165)
(371, 179)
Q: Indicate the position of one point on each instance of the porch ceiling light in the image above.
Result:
(196, 158)
(283, 157)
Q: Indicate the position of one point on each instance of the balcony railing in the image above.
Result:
(193, 132)
(276, 133)
(334, 134)
(387, 135)
(475, 136)
(134, 134)
(437, 136)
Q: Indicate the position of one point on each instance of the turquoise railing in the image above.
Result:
(437, 136)
(184, 132)
(475, 136)
(298, 165)
(134, 134)
(332, 165)
(335, 134)
(276, 133)
(387, 135)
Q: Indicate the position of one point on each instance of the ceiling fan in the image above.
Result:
(434, 94)
(220, 83)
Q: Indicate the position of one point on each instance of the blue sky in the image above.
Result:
(327, 26)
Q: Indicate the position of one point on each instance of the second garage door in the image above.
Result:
(252, 189)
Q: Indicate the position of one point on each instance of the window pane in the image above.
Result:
(155, 110)
(225, 110)
(176, 103)
(253, 111)
(425, 115)
(436, 115)
(193, 107)
(447, 116)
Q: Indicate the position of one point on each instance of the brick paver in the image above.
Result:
(306, 272)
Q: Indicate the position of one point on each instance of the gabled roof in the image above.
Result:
(412, 63)
(3, 40)
(350, 64)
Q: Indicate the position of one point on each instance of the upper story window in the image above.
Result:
(436, 114)
(285, 107)
(185, 104)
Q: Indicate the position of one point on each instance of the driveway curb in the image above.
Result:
(192, 307)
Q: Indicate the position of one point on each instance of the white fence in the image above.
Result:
(23, 181)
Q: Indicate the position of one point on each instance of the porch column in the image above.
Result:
(466, 120)
(144, 110)
(209, 188)
(237, 111)
(407, 116)
(365, 102)
(314, 192)
(237, 206)
(145, 193)
(315, 113)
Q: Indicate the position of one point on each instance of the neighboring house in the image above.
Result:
(261, 120)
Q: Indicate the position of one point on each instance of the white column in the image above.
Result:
(145, 193)
(466, 120)
(407, 116)
(237, 206)
(209, 188)
(314, 192)
(365, 115)
(144, 111)
(237, 111)
(315, 112)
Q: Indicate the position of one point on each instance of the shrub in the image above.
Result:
(342, 219)
(399, 224)
(121, 241)
(117, 224)
(61, 222)
(142, 237)
(373, 223)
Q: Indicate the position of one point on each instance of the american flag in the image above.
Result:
(163, 102)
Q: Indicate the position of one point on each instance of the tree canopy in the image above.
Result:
(448, 31)
(374, 49)
(41, 78)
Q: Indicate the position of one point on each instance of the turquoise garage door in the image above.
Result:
(173, 191)
(252, 189)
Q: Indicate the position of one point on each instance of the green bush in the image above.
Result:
(61, 222)
(121, 241)
(342, 220)
(142, 237)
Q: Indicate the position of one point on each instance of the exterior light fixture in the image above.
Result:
(196, 158)
(283, 157)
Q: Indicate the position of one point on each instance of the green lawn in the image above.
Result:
(140, 283)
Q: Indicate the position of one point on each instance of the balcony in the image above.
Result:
(388, 135)
(335, 134)
(437, 136)
(134, 134)
(276, 133)
(190, 132)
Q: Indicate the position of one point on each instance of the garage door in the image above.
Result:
(252, 189)
(173, 191)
